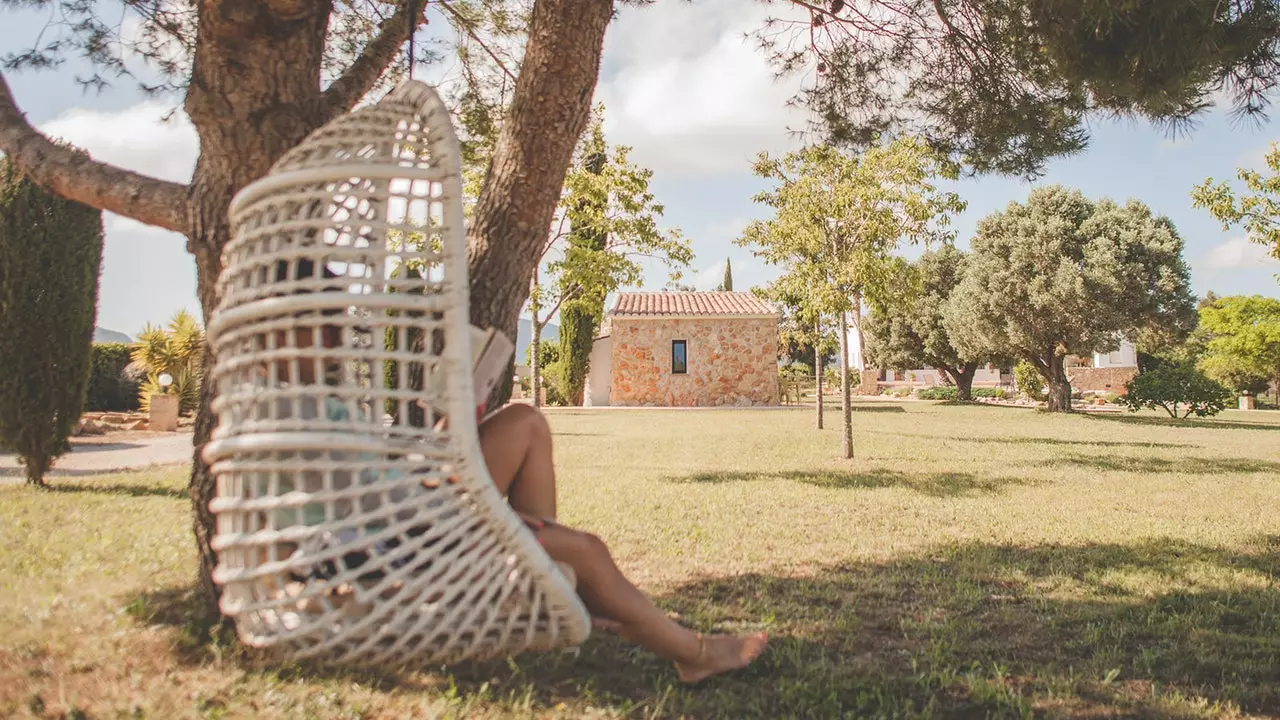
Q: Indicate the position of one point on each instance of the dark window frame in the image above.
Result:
(681, 367)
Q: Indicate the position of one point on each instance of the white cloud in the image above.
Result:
(691, 93)
(137, 138)
(1237, 253)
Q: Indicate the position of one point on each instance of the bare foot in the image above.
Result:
(722, 653)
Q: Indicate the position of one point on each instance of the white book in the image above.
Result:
(491, 351)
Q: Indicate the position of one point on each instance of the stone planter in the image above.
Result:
(164, 413)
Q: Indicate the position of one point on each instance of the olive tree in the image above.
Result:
(1062, 275)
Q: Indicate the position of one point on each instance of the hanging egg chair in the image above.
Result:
(356, 520)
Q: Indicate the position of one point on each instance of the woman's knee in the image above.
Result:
(583, 550)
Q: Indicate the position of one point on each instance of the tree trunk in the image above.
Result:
(549, 111)
(817, 367)
(254, 94)
(535, 361)
(1059, 387)
(963, 378)
(846, 399)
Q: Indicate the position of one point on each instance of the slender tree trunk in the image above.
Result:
(846, 399)
(1059, 387)
(549, 111)
(535, 361)
(817, 367)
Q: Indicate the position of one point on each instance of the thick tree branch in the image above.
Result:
(76, 176)
(363, 73)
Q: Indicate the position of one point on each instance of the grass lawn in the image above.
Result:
(971, 562)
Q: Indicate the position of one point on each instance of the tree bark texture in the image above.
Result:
(535, 361)
(549, 111)
(817, 368)
(1055, 375)
(255, 92)
(846, 394)
(963, 379)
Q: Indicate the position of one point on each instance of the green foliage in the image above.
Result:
(911, 333)
(50, 255)
(795, 371)
(726, 285)
(1029, 381)
(1256, 207)
(1001, 85)
(1171, 387)
(178, 350)
(1063, 275)
(1241, 336)
(110, 387)
(548, 353)
(839, 217)
(953, 393)
(798, 333)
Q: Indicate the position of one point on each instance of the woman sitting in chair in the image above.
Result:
(516, 444)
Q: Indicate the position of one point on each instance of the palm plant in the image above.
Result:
(176, 350)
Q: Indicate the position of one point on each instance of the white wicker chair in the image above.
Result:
(353, 526)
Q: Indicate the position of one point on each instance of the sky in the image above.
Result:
(696, 113)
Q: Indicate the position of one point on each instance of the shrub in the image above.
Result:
(111, 389)
(795, 371)
(938, 393)
(1170, 387)
(1029, 381)
(177, 350)
(50, 255)
(946, 392)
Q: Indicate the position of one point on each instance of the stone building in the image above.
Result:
(682, 349)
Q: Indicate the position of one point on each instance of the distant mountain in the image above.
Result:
(103, 335)
(525, 336)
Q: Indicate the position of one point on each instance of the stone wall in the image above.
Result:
(731, 361)
(1088, 379)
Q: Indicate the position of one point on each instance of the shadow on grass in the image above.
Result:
(1201, 423)
(1021, 440)
(131, 490)
(1160, 628)
(1181, 466)
(54, 474)
(942, 484)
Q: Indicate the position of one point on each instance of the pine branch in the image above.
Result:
(362, 74)
(76, 176)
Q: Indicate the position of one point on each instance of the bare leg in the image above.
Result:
(633, 616)
(516, 442)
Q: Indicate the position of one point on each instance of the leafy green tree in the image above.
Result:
(50, 254)
(838, 219)
(1257, 207)
(1241, 336)
(911, 333)
(1062, 275)
(607, 221)
(1175, 386)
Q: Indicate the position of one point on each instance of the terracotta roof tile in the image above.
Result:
(691, 303)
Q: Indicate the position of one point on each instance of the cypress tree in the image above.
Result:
(580, 316)
(727, 284)
(50, 256)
